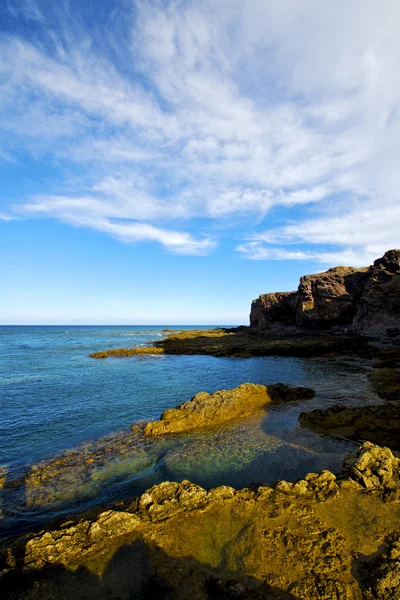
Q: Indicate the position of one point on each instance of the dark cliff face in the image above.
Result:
(365, 301)
(272, 311)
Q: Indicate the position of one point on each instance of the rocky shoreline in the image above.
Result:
(325, 536)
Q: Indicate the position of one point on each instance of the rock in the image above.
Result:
(379, 306)
(364, 301)
(208, 410)
(3, 475)
(375, 468)
(272, 311)
(178, 540)
(319, 486)
(378, 424)
(329, 299)
(382, 575)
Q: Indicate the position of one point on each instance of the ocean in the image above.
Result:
(54, 398)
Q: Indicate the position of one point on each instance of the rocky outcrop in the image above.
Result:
(363, 301)
(209, 410)
(379, 305)
(273, 311)
(297, 540)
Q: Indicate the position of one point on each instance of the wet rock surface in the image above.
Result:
(208, 410)
(378, 424)
(243, 342)
(302, 540)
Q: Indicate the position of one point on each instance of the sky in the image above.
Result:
(166, 161)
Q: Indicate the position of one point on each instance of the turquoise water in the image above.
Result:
(53, 396)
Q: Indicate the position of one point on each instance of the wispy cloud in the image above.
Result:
(215, 110)
(6, 217)
(25, 8)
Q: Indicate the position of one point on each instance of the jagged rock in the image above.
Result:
(363, 301)
(379, 306)
(272, 311)
(375, 468)
(383, 575)
(208, 410)
(329, 299)
(179, 540)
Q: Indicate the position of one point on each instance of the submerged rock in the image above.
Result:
(304, 540)
(208, 410)
(378, 424)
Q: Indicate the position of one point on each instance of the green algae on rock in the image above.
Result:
(224, 452)
(386, 382)
(243, 342)
(378, 424)
(76, 473)
(208, 410)
(125, 352)
(185, 334)
(307, 540)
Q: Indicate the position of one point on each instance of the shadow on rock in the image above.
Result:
(137, 572)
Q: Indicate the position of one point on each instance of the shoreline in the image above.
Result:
(143, 540)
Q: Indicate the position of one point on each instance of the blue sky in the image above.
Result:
(168, 161)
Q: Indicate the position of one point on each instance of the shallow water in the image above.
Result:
(53, 396)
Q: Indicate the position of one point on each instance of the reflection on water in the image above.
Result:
(57, 396)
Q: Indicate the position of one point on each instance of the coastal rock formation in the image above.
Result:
(273, 311)
(378, 424)
(320, 538)
(208, 410)
(365, 301)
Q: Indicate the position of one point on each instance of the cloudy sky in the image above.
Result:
(167, 161)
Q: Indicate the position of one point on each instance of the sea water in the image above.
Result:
(53, 396)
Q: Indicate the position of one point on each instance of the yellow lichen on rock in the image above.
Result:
(316, 539)
(209, 410)
(125, 352)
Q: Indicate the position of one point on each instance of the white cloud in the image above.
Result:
(218, 110)
(117, 221)
(357, 257)
(6, 217)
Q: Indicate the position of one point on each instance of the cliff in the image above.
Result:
(362, 301)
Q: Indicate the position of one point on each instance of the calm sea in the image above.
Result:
(54, 396)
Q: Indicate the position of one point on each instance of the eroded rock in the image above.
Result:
(208, 410)
(375, 468)
(179, 540)
(364, 301)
